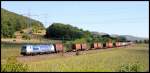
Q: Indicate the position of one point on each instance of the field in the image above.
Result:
(102, 60)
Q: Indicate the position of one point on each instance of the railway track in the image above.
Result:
(44, 56)
(60, 55)
(47, 56)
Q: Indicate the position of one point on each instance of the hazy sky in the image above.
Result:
(124, 17)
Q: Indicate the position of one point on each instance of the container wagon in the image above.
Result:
(59, 47)
(117, 44)
(99, 45)
(94, 46)
(109, 45)
(84, 46)
(76, 47)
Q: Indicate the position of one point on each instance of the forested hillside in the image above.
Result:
(12, 22)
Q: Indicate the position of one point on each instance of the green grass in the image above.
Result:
(109, 60)
(8, 50)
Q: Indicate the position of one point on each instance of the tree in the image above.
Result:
(136, 41)
(66, 31)
(146, 41)
(121, 39)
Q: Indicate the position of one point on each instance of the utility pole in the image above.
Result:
(45, 16)
(29, 22)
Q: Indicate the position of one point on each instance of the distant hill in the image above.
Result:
(12, 22)
(133, 38)
(129, 37)
(114, 35)
(98, 33)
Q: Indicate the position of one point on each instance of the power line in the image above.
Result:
(29, 22)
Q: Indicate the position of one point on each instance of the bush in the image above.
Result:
(77, 53)
(25, 36)
(130, 68)
(68, 46)
(39, 32)
(81, 40)
(21, 31)
(13, 66)
(13, 36)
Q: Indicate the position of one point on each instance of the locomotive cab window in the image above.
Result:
(35, 48)
(23, 48)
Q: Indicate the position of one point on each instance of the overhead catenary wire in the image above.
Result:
(29, 23)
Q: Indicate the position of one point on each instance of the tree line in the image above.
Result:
(142, 41)
(12, 22)
(66, 32)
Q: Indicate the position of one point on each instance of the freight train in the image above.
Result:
(58, 47)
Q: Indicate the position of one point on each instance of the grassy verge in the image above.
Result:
(109, 60)
(103, 61)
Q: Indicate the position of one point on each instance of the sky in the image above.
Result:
(112, 17)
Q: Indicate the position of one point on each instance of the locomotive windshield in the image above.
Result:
(23, 49)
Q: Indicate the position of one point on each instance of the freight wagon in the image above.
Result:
(109, 45)
(84, 46)
(97, 45)
(117, 44)
(76, 47)
(59, 47)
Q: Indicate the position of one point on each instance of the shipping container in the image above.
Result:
(59, 47)
(84, 46)
(99, 45)
(95, 45)
(109, 45)
(117, 44)
(77, 47)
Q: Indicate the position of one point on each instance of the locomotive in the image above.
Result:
(41, 49)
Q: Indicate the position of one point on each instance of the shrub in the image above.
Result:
(21, 31)
(39, 32)
(81, 40)
(77, 52)
(13, 36)
(14, 40)
(13, 66)
(25, 36)
(130, 68)
(68, 46)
